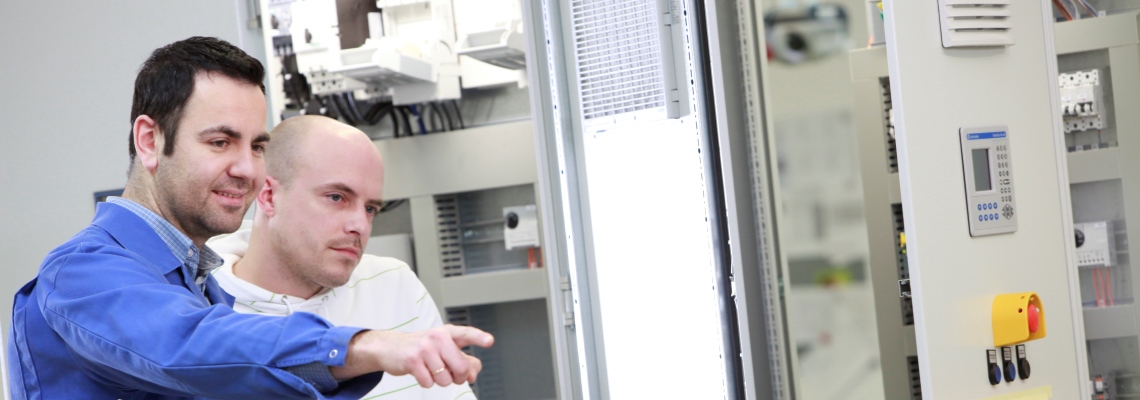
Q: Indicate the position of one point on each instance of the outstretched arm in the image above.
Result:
(432, 356)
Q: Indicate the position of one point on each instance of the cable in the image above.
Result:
(342, 109)
(384, 111)
(1064, 11)
(459, 114)
(407, 120)
(390, 205)
(419, 119)
(395, 112)
(1096, 287)
(350, 101)
(1108, 285)
(1076, 10)
(436, 115)
(450, 122)
(1088, 7)
(375, 113)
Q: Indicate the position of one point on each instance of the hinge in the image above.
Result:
(567, 301)
(904, 288)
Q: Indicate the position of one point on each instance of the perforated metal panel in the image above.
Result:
(623, 53)
(470, 227)
(975, 23)
(450, 239)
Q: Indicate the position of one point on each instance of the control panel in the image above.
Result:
(988, 170)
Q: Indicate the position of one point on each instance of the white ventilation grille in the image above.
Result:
(975, 23)
(623, 52)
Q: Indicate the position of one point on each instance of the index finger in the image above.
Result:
(466, 336)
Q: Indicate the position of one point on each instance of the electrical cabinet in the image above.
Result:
(457, 185)
(460, 157)
(1099, 65)
(886, 239)
(1099, 85)
(937, 281)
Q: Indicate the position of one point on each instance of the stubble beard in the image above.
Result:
(306, 265)
(190, 210)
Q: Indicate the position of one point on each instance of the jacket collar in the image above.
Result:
(130, 231)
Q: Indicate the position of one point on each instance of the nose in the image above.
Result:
(247, 165)
(360, 223)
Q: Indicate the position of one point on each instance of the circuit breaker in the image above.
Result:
(1082, 101)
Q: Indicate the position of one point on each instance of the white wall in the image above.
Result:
(66, 82)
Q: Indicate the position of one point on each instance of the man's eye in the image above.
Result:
(219, 143)
(336, 197)
(372, 210)
(259, 148)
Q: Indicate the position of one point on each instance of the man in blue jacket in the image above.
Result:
(127, 308)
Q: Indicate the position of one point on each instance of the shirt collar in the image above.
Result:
(200, 263)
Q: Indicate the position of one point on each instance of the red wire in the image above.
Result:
(1064, 11)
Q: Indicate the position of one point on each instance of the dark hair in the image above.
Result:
(166, 80)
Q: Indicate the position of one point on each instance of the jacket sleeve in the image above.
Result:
(126, 325)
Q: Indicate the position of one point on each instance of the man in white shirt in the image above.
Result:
(304, 252)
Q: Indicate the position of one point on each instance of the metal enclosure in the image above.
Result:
(1104, 173)
(954, 277)
(878, 162)
(724, 121)
(479, 171)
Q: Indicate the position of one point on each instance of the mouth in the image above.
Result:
(230, 198)
(348, 251)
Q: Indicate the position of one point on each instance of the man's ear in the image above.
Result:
(148, 141)
(265, 200)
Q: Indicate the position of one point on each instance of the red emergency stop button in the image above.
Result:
(1033, 315)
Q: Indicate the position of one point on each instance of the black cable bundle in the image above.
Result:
(458, 114)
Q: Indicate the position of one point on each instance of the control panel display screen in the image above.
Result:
(987, 170)
(982, 170)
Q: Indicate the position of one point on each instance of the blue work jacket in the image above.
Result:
(113, 314)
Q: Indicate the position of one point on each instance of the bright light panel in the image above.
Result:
(654, 265)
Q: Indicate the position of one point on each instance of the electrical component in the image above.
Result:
(1095, 244)
(503, 46)
(798, 35)
(993, 370)
(988, 171)
(1007, 364)
(1100, 388)
(1022, 363)
(1082, 101)
(1013, 321)
(407, 56)
(520, 226)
